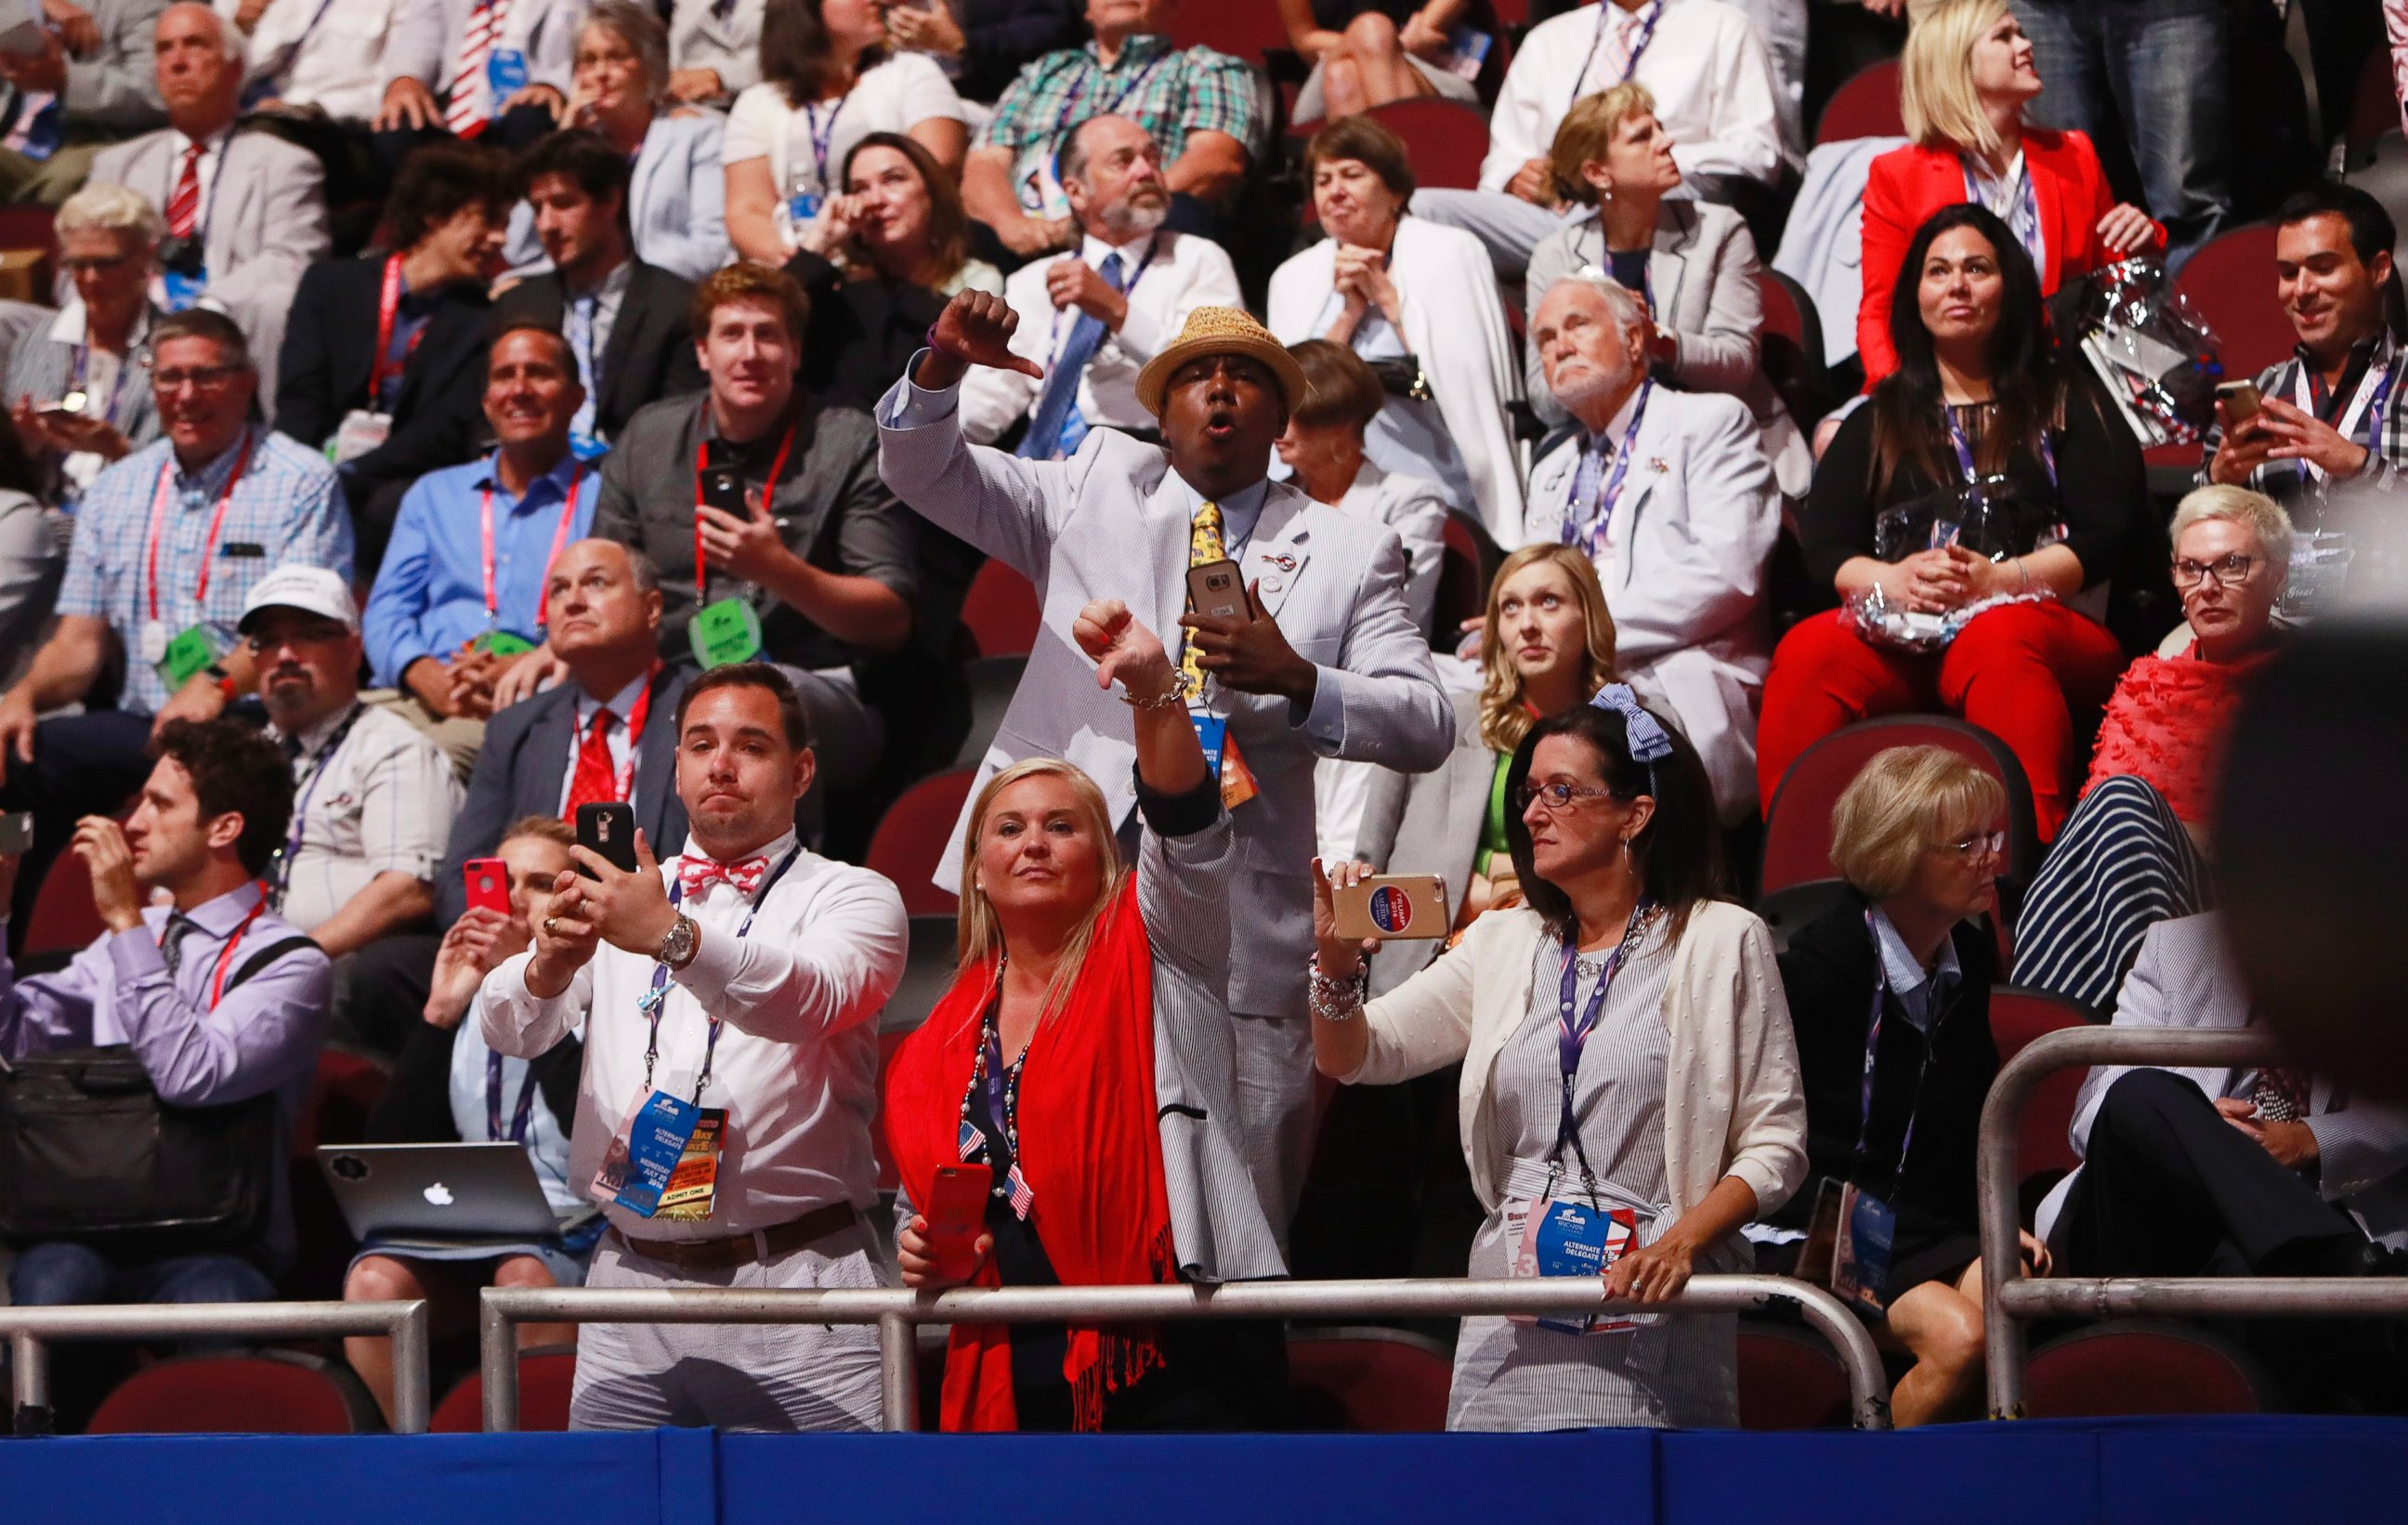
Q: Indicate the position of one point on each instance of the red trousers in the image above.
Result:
(2034, 675)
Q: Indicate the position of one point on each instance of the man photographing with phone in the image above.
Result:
(1322, 659)
(729, 999)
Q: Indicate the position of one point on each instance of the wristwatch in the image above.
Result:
(677, 948)
(224, 679)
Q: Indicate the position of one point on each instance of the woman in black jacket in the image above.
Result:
(1901, 971)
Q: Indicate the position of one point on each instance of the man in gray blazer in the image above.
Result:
(259, 216)
(96, 65)
(1331, 665)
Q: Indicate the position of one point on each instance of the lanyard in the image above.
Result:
(1111, 107)
(217, 522)
(2366, 402)
(1873, 1049)
(823, 139)
(1571, 1035)
(116, 388)
(521, 1115)
(1061, 344)
(1964, 448)
(768, 493)
(388, 307)
(654, 997)
(226, 954)
(559, 538)
(1599, 511)
(1605, 18)
(308, 792)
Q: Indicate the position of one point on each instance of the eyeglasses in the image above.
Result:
(1558, 797)
(2225, 572)
(1988, 844)
(200, 378)
(110, 262)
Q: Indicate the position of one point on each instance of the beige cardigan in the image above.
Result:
(1734, 1104)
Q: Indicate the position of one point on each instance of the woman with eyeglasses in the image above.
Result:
(1629, 1094)
(1890, 995)
(2128, 856)
(79, 393)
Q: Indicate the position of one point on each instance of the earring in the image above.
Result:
(1605, 193)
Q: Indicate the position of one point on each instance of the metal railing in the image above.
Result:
(30, 1330)
(899, 1312)
(2008, 1299)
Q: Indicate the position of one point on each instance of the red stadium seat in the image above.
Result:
(2019, 1016)
(1446, 139)
(910, 840)
(1789, 314)
(2230, 283)
(267, 1392)
(546, 1374)
(65, 920)
(1247, 29)
(1369, 1381)
(1000, 612)
(1789, 1379)
(2375, 109)
(1864, 106)
(2139, 1366)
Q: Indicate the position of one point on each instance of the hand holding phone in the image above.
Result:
(955, 1215)
(2241, 401)
(1218, 589)
(609, 831)
(489, 885)
(1405, 906)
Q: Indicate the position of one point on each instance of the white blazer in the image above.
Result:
(1455, 325)
(1685, 571)
(1734, 1103)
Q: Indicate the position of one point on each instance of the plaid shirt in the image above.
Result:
(287, 508)
(1168, 93)
(2386, 461)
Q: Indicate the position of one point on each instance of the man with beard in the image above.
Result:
(1672, 497)
(1111, 305)
(373, 795)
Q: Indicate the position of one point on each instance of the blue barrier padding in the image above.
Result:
(2141, 1471)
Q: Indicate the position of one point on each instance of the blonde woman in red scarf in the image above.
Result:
(1084, 1055)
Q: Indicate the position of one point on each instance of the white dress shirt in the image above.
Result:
(1917, 989)
(1706, 66)
(622, 734)
(796, 1064)
(383, 802)
(1185, 272)
(326, 54)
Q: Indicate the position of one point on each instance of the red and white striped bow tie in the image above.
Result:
(696, 875)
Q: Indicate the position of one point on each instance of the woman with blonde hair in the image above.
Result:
(1546, 644)
(1694, 263)
(1083, 1056)
(1965, 80)
(1889, 997)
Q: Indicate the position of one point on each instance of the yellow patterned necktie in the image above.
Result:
(1203, 547)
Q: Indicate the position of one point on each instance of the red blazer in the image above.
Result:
(1906, 185)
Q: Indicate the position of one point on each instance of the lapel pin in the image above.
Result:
(1283, 561)
(1659, 465)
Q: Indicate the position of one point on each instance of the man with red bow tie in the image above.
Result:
(729, 999)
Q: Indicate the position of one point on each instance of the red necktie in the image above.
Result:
(184, 206)
(595, 781)
(695, 874)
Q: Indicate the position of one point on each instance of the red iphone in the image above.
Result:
(489, 883)
(956, 1215)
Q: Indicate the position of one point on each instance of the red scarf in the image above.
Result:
(2166, 723)
(1088, 1146)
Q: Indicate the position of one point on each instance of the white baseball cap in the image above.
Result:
(297, 585)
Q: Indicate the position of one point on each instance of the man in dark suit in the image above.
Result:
(625, 320)
(606, 731)
(385, 358)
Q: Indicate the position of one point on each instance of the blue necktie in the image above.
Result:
(1055, 428)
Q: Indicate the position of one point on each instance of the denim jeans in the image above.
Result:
(2157, 70)
(58, 1274)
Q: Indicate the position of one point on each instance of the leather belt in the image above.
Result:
(744, 1249)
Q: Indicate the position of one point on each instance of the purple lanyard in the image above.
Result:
(1571, 1035)
(1873, 1049)
(823, 139)
(1965, 450)
(650, 1003)
(1596, 40)
(1598, 514)
(518, 1118)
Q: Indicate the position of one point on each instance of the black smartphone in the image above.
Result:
(722, 488)
(609, 829)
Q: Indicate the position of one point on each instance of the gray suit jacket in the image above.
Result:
(1428, 823)
(2185, 978)
(1110, 524)
(117, 89)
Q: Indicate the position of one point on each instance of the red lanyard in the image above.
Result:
(217, 522)
(226, 954)
(559, 538)
(635, 713)
(388, 306)
(702, 464)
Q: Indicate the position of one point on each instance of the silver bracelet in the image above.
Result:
(1336, 999)
(1177, 694)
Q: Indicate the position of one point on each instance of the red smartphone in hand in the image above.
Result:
(489, 883)
(956, 1216)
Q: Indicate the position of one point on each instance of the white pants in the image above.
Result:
(732, 1376)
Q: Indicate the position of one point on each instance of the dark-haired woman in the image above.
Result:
(1978, 395)
(827, 82)
(1628, 1060)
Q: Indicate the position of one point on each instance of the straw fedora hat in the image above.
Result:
(1220, 330)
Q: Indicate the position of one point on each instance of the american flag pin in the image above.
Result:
(1283, 562)
(1659, 465)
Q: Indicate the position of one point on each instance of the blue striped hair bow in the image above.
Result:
(1640, 729)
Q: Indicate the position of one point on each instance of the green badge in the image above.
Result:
(187, 655)
(726, 631)
(502, 643)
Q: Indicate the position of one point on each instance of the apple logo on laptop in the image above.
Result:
(439, 1195)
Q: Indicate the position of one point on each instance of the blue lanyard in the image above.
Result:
(309, 792)
(1873, 1049)
(1591, 526)
(653, 998)
(1111, 108)
(518, 1118)
(824, 139)
(1605, 18)
(1572, 1034)
(1965, 450)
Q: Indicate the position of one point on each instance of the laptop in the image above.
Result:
(442, 1193)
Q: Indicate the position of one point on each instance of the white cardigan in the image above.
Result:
(1455, 325)
(1734, 1103)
